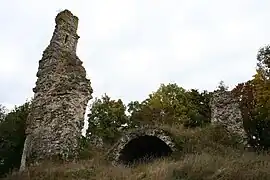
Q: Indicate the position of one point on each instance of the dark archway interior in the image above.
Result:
(144, 149)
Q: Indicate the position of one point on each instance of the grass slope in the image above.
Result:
(204, 154)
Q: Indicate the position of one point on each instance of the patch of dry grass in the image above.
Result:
(201, 166)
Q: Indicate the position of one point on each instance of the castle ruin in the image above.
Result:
(61, 95)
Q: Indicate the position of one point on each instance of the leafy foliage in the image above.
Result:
(12, 136)
(263, 63)
(261, 114)
(201, 103)
(172, 104)
(254, 100)
(106, 118)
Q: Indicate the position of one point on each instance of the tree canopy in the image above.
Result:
(106, 118)
(172, 104)
(12, 136)
(254, 100)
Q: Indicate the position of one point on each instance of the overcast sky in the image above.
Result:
(129, 47)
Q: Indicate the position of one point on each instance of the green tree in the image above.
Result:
(263, 58)
(201, 103)
(170, 104)
(167, 105)
(254, 100)
(106, 119)
(262, 94)
(134, 109)
(262, 109)
(12, 136)
(254, 103)
(245, 93)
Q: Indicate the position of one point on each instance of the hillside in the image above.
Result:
(204, 154)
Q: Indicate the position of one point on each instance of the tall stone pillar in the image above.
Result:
(225, 111)
(61, 96)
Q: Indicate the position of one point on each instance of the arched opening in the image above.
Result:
(143, 149)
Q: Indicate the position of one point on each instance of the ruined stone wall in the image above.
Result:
(115, 152)
(225, 111)
(61, 96)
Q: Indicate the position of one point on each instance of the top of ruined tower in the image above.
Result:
(68, 18)
(65, 37)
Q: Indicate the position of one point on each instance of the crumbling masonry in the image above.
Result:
(141, 142)
(61, 96)
(225, 111)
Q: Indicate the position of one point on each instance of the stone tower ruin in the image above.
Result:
(225, 111)
(61, 95)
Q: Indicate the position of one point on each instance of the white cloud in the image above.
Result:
(9, 61)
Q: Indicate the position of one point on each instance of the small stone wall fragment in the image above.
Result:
(225, 111)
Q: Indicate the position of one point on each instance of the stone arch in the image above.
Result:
(141, 142)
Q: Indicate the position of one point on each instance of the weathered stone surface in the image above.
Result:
(61, 96)
(96, 141)
(115, 153)
(225, 111)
